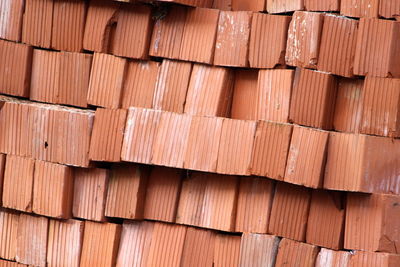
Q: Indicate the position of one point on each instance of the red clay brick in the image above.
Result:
(11, 19)
(292, 253)
(359, 8)
(8, 234)
(258, 250)
(244, 97)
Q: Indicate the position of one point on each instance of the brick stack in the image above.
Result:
(199, 133)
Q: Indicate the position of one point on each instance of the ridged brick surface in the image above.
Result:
(332, 258)
(362, 258)
(198, 250)
(283, 6)
(227, 250)
(317, 5)
(244, 97)
(258, 250)
(359, 8)
(291, 253)
(257, 5)
(8, 234)
(11, 19)
(389, 8)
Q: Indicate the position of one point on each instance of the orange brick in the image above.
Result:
(18, 183)
(209, 201)
(327, 257)
(290, 211)
(140, 134)
(32, 240)
(140, 84)
(304, 38)
(380, 112)
(325, 225)
(106, 80)
(90, 191)
(359, 8)
(291, 253)
(389, 8)
(210, 91)
(16, 62)
(233, 36)
(348, 109)
(100, 244)
(68, 25)
(270, 150)
(283, 6)
(236, 146)
(258, 250)
(162, 195)
(53, 190)
(307, 157)
(267, 31)
(64, 243)
(244, 99)
(107, 135)
(371, 223)
(313, 99)
(100, 18)
(8, 234)
(198, 250)
(171, 86)
(2, 168)
(274, 91)
(317, 5)
(133, 31)
(370, 259)
(222, 4)
(37, 23)
(227, 250)
(126, 191)
(254, 205)
(11, 19)
(257, 5)
(196, 3)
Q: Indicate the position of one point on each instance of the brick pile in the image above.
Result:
(199, 133)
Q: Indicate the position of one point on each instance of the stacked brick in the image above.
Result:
(199, 133)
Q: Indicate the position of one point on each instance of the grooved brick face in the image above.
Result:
(389, 8)
(327, 257)
(304, 38)
(256, 5)
(233, 36)
(8, 234)
(292, 253)
(198, 250)
(283, 6)
(11, 19)
(364, 258)
(227, 250)
(326, 5)
(2, 168)
(258, 250)
(244, 97)
(359, 8)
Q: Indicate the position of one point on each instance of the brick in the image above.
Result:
(270, 150)
(304, 38)
(243, 5)
(136, 238)
(289, 212)
(389, 8)
(348, 109)
(380, 107)
(203, 143)
(162, 194)
(133, 31)
(100, 18)
(90, 192)
(283, 6)
(8, 234)
(236, 146)
(291, 253)
(317, 5)
(37, 23)
(307, 157)
(371, 223)
(274, 94)
(198, 250)
(362, 163)
(168, 33)
(195, 3)
(64, 243)
(313, 99)
(254, 205)
(140, 84)
(106, 81)
(233, 37)
(16, 62)
(11, 19)
(126, 191)
(258, 250)
(166, 245)
(209, 92)
(338, 45)
(325, 225)
(359, 9)
(107, 135)
(227, 250)
(172, 86)
(100, 244)
(209, 201)
(4, 263)
(377, 48)
(370, 259)
(18, 183)
(244, 97)
(53, 190)
(222, 4)
(140, 134)
(68, 25)
(332, 258)
(32, 240)
(170, 143)
(198, 39)
(2, 168)
(268, 31)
